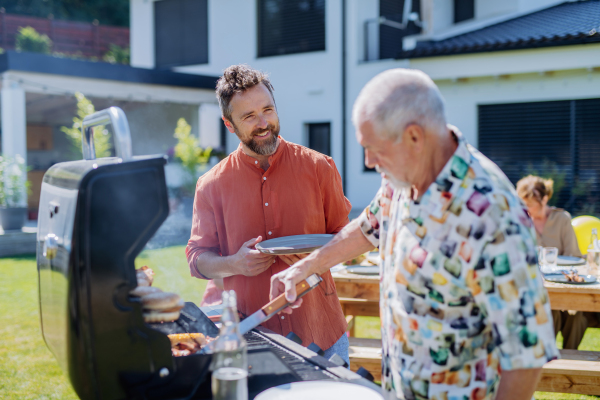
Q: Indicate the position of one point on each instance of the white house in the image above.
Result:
(37, 98)
(521, 78)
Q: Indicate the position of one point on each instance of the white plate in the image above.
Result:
(359, 269)
(560, 278)
(294, 244)
(568, 260)
(319, 390)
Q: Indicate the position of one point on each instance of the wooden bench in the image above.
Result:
(358, 307)
(576, 372)
(366, 353)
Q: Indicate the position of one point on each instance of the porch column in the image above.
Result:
(209, 125)
(14, 124)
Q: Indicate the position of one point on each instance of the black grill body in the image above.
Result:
(102, 213)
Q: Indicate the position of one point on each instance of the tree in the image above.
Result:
(28, 39)
(107, 12)
(189, 152)
(101, 142)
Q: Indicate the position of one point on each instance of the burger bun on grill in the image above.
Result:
(141, 291)
(161, 301)
(146, 271)
(143, 281)
(160, 316)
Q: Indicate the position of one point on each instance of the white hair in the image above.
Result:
(396, 98)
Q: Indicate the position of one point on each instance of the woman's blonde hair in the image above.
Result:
(535, 187)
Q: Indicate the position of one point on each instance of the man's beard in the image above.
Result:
(263, 147)
(398, 184)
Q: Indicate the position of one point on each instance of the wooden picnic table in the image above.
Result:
(360, 294)
(577, 372)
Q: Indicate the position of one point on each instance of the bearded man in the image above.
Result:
(267, 188)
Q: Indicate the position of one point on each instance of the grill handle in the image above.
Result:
(110, 116)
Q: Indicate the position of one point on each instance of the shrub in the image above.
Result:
(13, 186)
(73, 56)
(117, 55)
(102, 142)
(189, 153)
(28, 39)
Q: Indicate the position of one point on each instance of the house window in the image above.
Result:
(464, 10)
(290, 26)
(555, 139)
(390, 37)
(223, 137)
(180, 32)
(319, 137)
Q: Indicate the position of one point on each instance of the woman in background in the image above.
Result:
(553, 229)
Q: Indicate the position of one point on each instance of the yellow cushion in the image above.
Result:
(583, 226)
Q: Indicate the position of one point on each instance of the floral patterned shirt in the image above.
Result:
(461, 295)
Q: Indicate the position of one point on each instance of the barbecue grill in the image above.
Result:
(95, 217)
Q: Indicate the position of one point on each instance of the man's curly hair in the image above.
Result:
(238, 79)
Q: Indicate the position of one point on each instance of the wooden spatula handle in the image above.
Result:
(280, 302)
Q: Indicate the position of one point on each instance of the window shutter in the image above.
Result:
(181, 32)
(464, 10)
(556, 139)
(319, 137)
(290, 26)
(527, 138)
(587, 156)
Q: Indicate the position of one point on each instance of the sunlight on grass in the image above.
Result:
(368, 327)
(28, 370)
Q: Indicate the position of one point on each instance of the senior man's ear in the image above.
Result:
(415, 136)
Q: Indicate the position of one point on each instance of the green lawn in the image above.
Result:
(27, 368)
(29, 371)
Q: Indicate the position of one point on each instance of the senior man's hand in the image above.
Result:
(285, 282)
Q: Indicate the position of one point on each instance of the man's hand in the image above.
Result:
(251, 262)
(291, 259)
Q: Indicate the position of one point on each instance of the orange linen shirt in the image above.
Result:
(300, 193)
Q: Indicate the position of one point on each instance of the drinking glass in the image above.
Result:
(593, 262)
(550, 256)
(230, 384)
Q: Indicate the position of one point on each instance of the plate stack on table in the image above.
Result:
(570, 270)
(365, 264)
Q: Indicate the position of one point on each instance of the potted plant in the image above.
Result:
(13, 193)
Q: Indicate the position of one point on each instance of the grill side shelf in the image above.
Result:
(298, 365)
(310, 356)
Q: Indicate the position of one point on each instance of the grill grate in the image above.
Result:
(305, 369)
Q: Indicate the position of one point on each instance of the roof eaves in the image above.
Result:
(503, 46)
(41, 63)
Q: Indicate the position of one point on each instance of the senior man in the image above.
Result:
(464, 313)
(266, 189)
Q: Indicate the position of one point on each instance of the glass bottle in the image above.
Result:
(594, 240)
(593, 254)
(229, 379)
